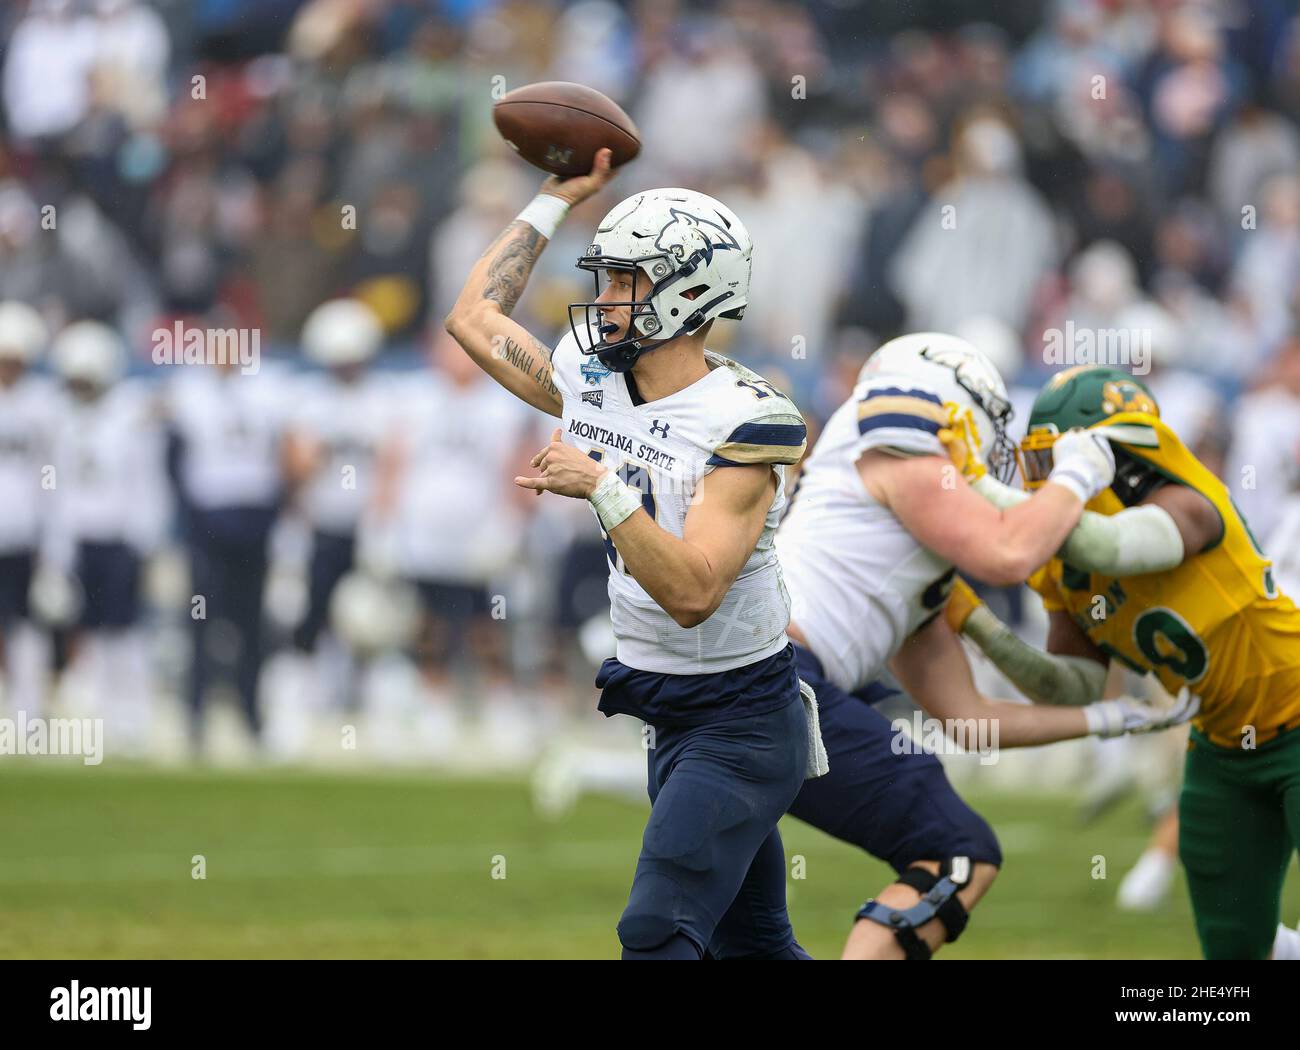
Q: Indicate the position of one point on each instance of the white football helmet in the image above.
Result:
(697, 256)
(89, 352)
(373, 615)
(342, 332)
(960, 374)
(22, 332)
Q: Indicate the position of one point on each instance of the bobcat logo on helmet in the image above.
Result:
(685, 229)
(688, 258)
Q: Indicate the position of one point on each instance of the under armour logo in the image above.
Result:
(659, 428)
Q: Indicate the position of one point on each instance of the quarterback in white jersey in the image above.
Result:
(681, 454)
(664, 449)
(880, 524)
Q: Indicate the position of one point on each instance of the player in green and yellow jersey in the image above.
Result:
(1164, 576)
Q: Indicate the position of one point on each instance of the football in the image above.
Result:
(558, 127)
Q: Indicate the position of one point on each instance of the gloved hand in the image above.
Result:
(1128, 714)
(1083, 461)
(962, 601)
(960, 439)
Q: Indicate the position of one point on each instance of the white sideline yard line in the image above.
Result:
(445, 858)
(333, 862)
(339, 862)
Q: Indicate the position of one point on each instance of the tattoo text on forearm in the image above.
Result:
(535, 363)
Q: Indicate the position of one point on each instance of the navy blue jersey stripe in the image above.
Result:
(768, 434)
(896, 391)
(722, 461)
(897, 419)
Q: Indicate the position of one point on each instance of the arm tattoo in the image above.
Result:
(511, 264)
(537, 366)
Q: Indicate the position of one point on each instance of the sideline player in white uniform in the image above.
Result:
(108, 513)
(681, 455)
(460, 434)
(332, 448)
(226, 457)
(881, 522)
(28, 406)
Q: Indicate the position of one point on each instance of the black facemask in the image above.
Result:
(1135, 478)
(618, 355)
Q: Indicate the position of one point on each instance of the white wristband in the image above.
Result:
(614, 501)
(544, 214)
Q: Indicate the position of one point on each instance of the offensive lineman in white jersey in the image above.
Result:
(880, 524)
(681, 454)
(28, 407)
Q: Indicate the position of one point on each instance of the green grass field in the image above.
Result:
(96, 862)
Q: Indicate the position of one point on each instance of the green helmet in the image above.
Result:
(1082, 396)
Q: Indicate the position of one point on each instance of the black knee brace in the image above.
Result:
(938, 901)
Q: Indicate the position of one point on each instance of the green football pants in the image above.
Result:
(1239, 822)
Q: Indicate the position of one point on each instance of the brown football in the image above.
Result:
(558, 127)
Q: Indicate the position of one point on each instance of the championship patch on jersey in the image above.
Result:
(767, 442)
(593, 371)
(896, 407)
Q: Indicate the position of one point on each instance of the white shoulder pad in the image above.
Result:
(898, 415)
(756, 423)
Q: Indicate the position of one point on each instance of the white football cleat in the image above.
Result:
(1147, 884)
(557, 784)
(1286, 945)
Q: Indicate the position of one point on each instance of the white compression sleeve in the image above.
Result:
(1001, 496)
(1069, 681)
(1136, 540)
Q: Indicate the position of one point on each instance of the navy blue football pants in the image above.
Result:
(712, 868)
(898, 807)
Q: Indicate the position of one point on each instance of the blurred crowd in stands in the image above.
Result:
(1009, 171)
